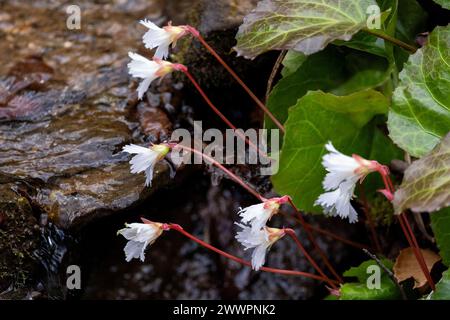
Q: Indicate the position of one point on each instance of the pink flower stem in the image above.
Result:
(246, 187)
(313, 241)
(220, 114)
(292, 234)
(242, 261)
(417, 251)
(408, 232)
(237, 179)
(197, 35)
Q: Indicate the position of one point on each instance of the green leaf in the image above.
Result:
(442, 291)
(411, 20)
(440, 223)
(303, 25)
(332, 70)
(420, 113)
(292, 62)
(317, 118)
(360, 291)
(365, 42)
(360, 272)
(426, 183)
(443, 3)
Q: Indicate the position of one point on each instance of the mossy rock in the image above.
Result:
(19, 238)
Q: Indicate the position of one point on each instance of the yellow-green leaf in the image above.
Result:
(303, 25)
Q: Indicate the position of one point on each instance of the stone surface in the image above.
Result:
(68, 106)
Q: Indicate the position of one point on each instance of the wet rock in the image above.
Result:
(68, 106)
(209, 16)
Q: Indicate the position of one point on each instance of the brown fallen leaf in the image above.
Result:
(406, 266)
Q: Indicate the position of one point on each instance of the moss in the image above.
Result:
(381, 210)
(19, 236)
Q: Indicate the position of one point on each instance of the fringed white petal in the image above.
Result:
(141, 67)
(150, 25)
(337, 202)
(259, 256)
(256, 215)
(144, 161)
(339, 166)
(144, 85)
(140, 235)
(163, 50)
(135, 249)
(257, 240)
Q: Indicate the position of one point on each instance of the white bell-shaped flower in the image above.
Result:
(145, 159)
(139, 236)
(261, 241)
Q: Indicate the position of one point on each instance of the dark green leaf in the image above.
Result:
(303, 25)
(332, 70)
(316, 119)
(420, 114)
(360, 291)
(426, 183)
(442, 291)
(292, 62)
(443, 3)
(440, 223)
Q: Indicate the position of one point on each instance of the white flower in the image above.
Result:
(141, 67)
(162, 38)
(337, 202)
(343, 174)
(139, 236)
(146, 159)
(258, 215)
(260, 241)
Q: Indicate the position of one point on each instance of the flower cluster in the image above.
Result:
(339, 183)
(161, 39)
(255, 234)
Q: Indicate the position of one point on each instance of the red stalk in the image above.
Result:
(313, 241)
(214, 108)
(240, 182)
(242, 261)
(292, 234)
(334, 236)
(221, 167)
(418, 252)
(408, 232)
(197, 35)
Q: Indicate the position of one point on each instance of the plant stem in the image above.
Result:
(390, 39)
(409, 234)
(418, 252)
(313, 241)
(239, 80)
(292, 234)
(334, 236)
(216, 110)
(237, 179)
(252, 191)
(273, 74)
(242, 261)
